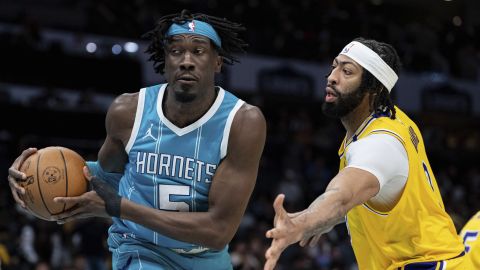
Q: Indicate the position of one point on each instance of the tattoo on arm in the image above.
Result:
(336, 216)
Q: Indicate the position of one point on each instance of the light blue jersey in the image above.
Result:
(172, 168)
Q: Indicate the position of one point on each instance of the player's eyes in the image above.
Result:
(175, 51)
(199, 51)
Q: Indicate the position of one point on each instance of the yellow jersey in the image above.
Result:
(417, 232)
(471, 239)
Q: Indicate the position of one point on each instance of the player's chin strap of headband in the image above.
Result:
(195, 27)
(372, 62)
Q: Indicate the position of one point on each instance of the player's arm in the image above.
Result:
(230, 191)
(111, 157)
(373, 162)
(350, 187)
(118, 124)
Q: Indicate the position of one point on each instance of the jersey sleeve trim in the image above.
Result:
(226, 130)
(383, 214)
(389, 132)
(138, 120)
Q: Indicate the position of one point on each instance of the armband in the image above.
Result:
(112, 179)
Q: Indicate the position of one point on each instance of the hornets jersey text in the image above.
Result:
(172, 168)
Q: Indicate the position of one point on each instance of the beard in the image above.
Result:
(344, 104)
(184, 97)
(184, 93)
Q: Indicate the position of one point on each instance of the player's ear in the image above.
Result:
(218, 64)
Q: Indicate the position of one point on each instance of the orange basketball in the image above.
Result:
(52, 172)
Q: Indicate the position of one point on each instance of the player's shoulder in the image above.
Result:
(124, 103)
(248, 129)
(126, 99)
(122, 111)
(475, 218)
(250, 114)
(472, 224)
(249, 125)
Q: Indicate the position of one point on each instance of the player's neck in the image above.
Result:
(183, 114)
(354, 119)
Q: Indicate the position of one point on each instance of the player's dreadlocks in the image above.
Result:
(226, 30)
(382, 102)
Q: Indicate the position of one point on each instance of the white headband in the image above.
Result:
(372, 62)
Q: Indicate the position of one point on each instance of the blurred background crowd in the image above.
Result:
(55, 89)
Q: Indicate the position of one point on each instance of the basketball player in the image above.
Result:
(471, 239)
(187, 153)
(385, 189)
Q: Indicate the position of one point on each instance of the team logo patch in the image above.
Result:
(191, 26)
(347, 48)
(51, 175)
(149, 134)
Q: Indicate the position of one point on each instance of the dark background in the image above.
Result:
(53, 92)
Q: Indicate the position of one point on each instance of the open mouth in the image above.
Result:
(330, 94)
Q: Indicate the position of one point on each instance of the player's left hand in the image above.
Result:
(286, 232)
(87, 205)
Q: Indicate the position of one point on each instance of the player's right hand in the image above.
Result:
(14, 175)
(286, 231)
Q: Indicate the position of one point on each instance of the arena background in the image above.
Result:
(63, 61)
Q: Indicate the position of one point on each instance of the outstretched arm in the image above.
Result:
(350, 187)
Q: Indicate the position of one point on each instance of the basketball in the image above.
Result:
(52, 172)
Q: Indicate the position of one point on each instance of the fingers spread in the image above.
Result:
(275, 233)
(270, 264)
(27, 152)
(16, 190)
(14, 173)
(272, 255)
(67, 215)
(314, 240)
(304, 242)
(18, 200)
(278, 204)
(67, 200)
(15, 186)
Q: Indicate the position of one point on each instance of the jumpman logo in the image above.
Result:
(130, 190)
(149, 133)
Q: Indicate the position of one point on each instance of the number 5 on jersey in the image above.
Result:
(470, 236)
(165, 195)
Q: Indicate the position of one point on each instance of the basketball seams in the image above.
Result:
(38, 182)
(66, 177)
(52, 181)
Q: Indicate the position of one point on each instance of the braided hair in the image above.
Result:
(226, 30)
(382, 102)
